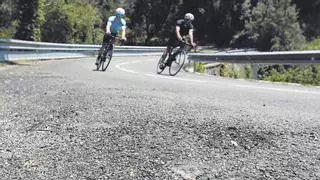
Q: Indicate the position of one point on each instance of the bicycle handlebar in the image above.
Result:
(122, 41)
(188, 44)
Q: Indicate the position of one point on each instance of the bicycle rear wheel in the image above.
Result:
(107, 60)
(178, 63)
(161, 66)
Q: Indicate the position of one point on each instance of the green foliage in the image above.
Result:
(57, 27)
(71, 21)
(150, 19)
(244, 71)
(8, 16)
(199, 67)
(8, 13)
(10, 31)
(39, 20)
(272, 25)
(302, 74)
(248, 71)
(305, 74)
(313, 45)
(31, 18)
(235, 71)
(82, 26)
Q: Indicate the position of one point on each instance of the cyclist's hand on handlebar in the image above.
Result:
(193, 44)
(122, 41)
(108, 33)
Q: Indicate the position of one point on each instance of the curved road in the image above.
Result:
(63, 120)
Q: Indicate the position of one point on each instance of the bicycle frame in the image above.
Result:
(170, 55)
(184, 47)
(109, 44)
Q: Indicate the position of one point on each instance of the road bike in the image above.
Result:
(175, 60)
(105, 54)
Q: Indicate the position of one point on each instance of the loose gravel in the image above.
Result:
(52, 127)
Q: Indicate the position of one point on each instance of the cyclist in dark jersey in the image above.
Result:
(183, 27)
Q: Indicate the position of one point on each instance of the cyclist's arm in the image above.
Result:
(178, 33)
(108, 31)
(191, 35)
(123, 29)
(123, 33)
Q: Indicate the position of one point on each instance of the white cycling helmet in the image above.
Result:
(120, 12)
(189, 16)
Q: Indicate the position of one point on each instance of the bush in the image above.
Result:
(10, 31)
(313, 45)
(198, 67)
(305, 74)
(236, 71)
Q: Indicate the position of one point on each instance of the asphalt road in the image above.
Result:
(61, 119)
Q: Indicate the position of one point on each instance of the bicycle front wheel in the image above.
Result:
(178, 63)
(99, 62)
(107, 60)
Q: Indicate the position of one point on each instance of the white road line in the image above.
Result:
(118, 66)
(277, 89)
(175, 78)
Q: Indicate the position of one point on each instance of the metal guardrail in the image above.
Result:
(11, 50)
(254, 57)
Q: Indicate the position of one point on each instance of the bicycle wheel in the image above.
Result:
(178, 63)
(99, 62)
(107, 60)
(161, 63)
(100, 58)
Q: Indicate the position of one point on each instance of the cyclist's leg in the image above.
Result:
(105, 41)
(163, 59)
(172, 57)
(167, 53)
(181, 46)
(112, 43)
(107, 44)
(170, 46)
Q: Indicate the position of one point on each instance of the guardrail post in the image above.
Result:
(255, 71)
(191, 63)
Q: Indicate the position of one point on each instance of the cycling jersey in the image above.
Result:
(185, 26)
(116, 24)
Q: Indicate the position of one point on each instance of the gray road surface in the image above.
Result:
(63, 120)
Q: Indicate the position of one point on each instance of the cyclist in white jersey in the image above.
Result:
(116, 25)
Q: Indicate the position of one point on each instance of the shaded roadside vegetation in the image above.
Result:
(267, 25)
(301, 74)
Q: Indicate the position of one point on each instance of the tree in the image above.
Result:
(31, 18)
(57, 27)
(271, 25)
(152, 18)
(8, 15)
(70, 22)
(309, 17)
